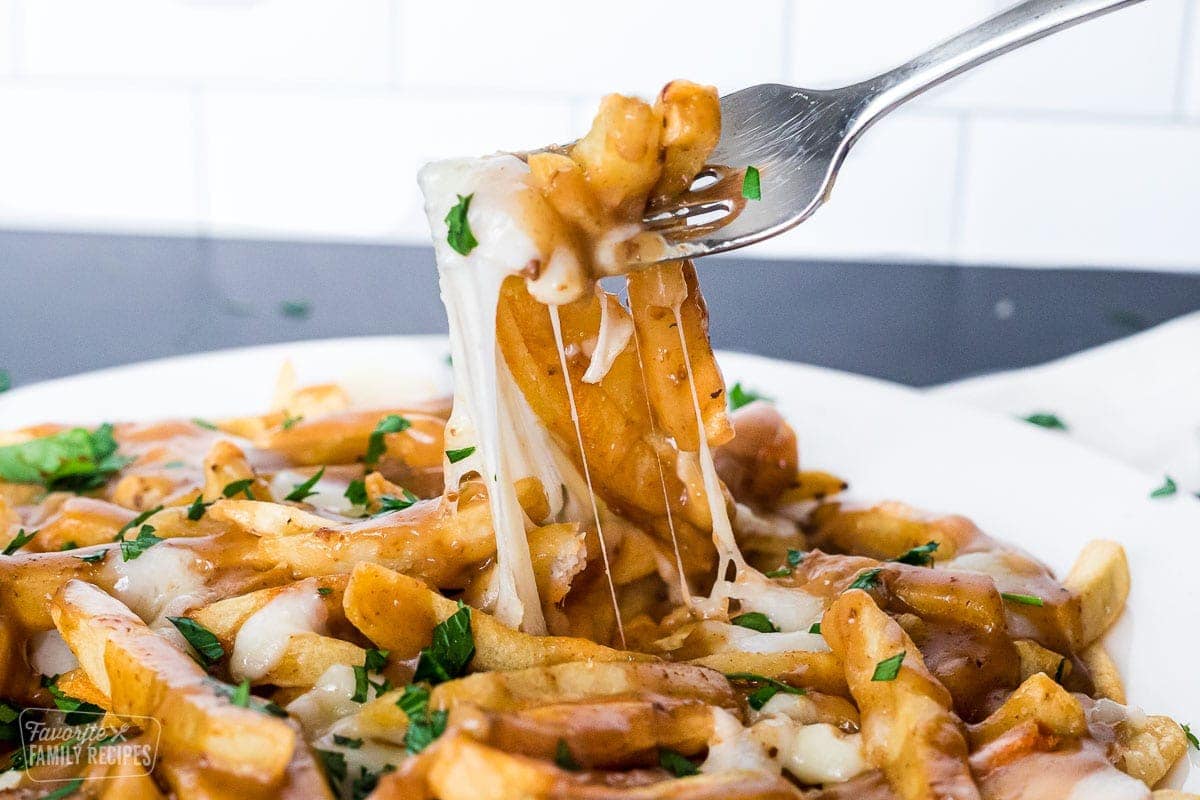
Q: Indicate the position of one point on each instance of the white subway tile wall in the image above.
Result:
(309, 118)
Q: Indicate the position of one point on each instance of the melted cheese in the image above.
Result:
(1108, 784)
(616, 328)
(327, 702)
(165, 580)
(264, 636)
(49, 653)
(813, 753)
(470, 287)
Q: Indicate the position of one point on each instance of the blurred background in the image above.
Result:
(178, 175)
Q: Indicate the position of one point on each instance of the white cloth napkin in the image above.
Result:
(1137, 398)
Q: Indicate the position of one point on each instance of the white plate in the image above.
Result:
(1031, 487)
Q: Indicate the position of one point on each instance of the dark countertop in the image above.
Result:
(74, 302)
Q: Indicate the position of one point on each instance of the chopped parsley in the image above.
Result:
(458, 455)
(197, 508)
(335, 769)
(132, 548)
(202, 640)
(365, 783)
(239, 487)
(324, 591)
(1166, 490)
(347, 742)
(71, 545)
(755, 621)
(76, 460)
(356, 492)
(889, 668)
(752, 184)
(138, 520)
(20, 540)
(1023, 599)
(919, 556)
(1191, 737)
(78, 712)
(423, 725)
(794, 557)
(94, 558)
(767, 688)
(301, 491)
(1048, 421)
(451, 650)
(288, 422)
(563, 758)
(739, 396)
(867, 579)
(458, 233)
(296, 309)
(361, 685)
(815, 628)
(203, 423)
(240, 696)
(392, 503)
(676, 764)
(374, 661)
(376, 445)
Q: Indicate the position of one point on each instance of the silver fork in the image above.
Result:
(797, 139)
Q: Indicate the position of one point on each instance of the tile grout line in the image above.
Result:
(958, 191)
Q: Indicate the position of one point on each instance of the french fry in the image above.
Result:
(620, 154)
(907, 725)
(1147, 747)
(1100, 580)
(225, 465)
(691, 116)
(145, 676)
(1040, 699)
(398, 614)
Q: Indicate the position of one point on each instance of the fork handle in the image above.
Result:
(1023, 23)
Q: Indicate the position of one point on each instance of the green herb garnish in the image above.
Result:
(752, 184)
(203, 423)
(347, 742)
(755, 621)
(423, 725)
(1191, 737)
(815, 628)
(919, 556)
(1023, 599)
(767, 688)
(739, 396)
(889, 668)
(20, 540)
(94, 558)
(676, 764)
(301, 491)
(458, 233)
(202, 640)
(197, 508)
(1049, 421)
(451, 650)
(239, 487)
(391, 503)
(867, 579)
(288, 422)
(1166, 490)
(376, 445)
(563, 758)
(458, 455)
(132, 548)
(76, 460)
(356, 492)
(324, 591)
(138, 520)
(78, 712)
(335, 769)
(66, 790)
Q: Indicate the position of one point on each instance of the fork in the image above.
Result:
(797, 139)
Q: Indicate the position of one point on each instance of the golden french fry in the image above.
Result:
(1100, 580)
(226, 465)
(145, 676)
(820, 671)
(908, 728)
(1040, 699)
(1147, 747)
(620, 154)
(759, 464)
(1035, 659)
(1106, 678)
(691, 116)
(888, 530)
(306, 658)
(398, 613)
